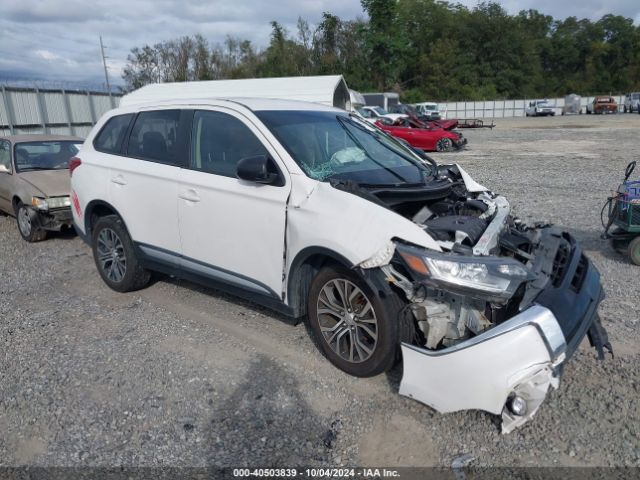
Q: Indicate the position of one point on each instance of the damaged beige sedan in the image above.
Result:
(34, 182)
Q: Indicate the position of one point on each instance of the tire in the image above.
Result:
(624, 109)
(115, 257)
(444, 144)
(634, 251)
(367, 342)
(28, 224)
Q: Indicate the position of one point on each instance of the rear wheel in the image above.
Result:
(634, 251)
(115, 257)
(352, 326)
(28, 224)
(444, 145)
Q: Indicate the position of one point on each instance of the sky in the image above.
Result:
(58, 40)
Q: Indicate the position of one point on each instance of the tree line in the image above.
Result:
(422, 49)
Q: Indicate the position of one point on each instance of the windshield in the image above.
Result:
(379, 110)
(431, 107)
(48, 155)
(330, 146)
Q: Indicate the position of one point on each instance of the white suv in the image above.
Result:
(320, 215)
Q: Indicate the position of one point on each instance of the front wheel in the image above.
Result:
(28, 224)
(351, 325)
(115, 257)
(444, 145)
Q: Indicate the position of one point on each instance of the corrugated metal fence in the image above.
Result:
(59, 112)
(506, 108)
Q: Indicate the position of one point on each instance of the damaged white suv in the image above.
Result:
(312, 212)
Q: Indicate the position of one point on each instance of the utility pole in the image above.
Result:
(104, 63)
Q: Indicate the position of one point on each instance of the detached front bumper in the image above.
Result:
(521, 357)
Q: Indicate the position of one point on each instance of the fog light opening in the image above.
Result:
(517, 405)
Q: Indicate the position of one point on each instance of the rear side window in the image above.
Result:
(153, 136)
(110, 138)
(220, 141)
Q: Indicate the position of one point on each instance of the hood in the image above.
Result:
(49, 183)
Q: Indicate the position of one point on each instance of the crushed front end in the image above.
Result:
(495, 313)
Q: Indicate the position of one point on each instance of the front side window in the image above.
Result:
(219, 141)
(330, 146)
(110, 138)
(154, 135)
(53, 155)
(5, 155)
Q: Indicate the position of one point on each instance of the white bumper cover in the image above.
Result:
(518, 357)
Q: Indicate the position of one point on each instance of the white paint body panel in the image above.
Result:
(322, 216)
(479, 377)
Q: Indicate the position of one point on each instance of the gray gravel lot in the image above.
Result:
(179, 375)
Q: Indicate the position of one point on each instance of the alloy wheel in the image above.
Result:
(347, 320)
(111, 256)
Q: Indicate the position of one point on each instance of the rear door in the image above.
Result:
(231, 230)
(143, 181)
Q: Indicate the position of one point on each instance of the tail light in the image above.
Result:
(74, 163)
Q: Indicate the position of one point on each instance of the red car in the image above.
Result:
(429, 139)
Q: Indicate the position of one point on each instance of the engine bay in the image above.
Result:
(466, 225)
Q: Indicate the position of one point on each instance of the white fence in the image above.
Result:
(506, 108)
(58, 112)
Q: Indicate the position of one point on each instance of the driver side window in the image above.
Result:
(5, 155)
(220, 141)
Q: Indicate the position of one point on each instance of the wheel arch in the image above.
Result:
(95, 210)
(304, 267)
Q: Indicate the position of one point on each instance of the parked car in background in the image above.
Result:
(631, 102)
(373, 114)
(313, 212)
(429, 139)
(34, 182)
(602, 104)
(428, 111)
(572, 105)
(539, 108)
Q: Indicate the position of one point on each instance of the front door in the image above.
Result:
(231, 230)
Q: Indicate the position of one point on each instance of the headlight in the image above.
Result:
(50, 203)
(492, 276)
(59, 202)
(39, 203)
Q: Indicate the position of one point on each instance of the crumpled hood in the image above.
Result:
(50, 183)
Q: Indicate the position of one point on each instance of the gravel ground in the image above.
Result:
(178, 375)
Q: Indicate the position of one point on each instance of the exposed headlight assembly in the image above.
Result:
(489, 276)
(45, 204)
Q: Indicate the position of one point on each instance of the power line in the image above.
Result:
(104, 63)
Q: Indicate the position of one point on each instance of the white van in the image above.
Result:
(308, 210)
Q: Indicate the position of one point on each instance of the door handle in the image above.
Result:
(190, 196)
(119, 180)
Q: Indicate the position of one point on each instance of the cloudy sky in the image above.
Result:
(57, 40)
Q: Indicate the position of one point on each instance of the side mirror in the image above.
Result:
(258, 169)
(4, 169)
